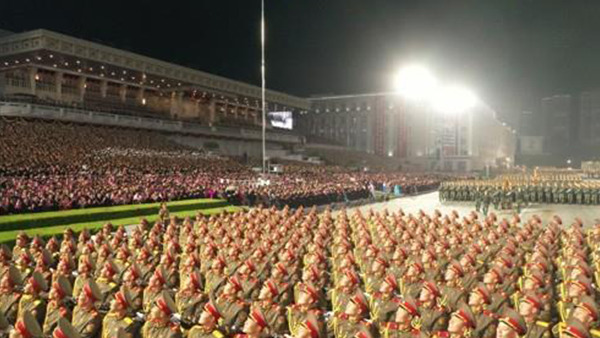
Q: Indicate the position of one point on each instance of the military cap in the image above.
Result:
(432, 287)
(235, 282)
(37, 240)
(92, 290)
(28, 326)
(587, 303)
(14, 276)
(532, 299)
(514, 320)
(160, 274)
(86, 260)
(410, 305)
(196, 279)
(22, 235)
(465, 314)
(38, 282)
(312, 326)
(359, 300)
(352, 276)
(310, 290)
(583, 283)
(166, 304)
(391, 280)
(457, 268)
(213, 310)
(270, 284)
(576, 329)
(259, 317)
(123, 297)
(64, 329)
(63, 286)
(110, 266)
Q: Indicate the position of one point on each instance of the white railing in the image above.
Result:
(26, 110)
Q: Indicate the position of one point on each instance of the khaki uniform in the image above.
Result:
(80, 281)
(382, 308)
(343, 327)
(275, 316)
(433, 320)
(200, 332)
(190, 305)
(35, 305)
(107, 289)
(296, 316)
(54, 311)
(486, 323)
(153, 330)
(9, 306)
(235, 312)
(88, 324)
(111, 325)
(538, 329)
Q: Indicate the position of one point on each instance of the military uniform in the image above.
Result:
(200, 332)
(234, 311)
(111, 324)
(87, 323)
(344, 327)
(383, 307)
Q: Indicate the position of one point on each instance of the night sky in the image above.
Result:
(511, 52)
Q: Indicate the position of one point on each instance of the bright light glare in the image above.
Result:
(453, 100)
(415, 82)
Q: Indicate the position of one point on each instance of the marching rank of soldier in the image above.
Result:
(300, 273)
(517, 191)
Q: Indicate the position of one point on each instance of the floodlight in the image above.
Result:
(415, 82)
(453, 100)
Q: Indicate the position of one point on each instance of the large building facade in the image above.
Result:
(385, 124)
(58, 69)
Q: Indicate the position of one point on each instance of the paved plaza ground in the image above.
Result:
(430, 201)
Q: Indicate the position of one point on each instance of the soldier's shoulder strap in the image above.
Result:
(542, 324)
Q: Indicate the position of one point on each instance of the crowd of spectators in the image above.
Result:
(49, 165)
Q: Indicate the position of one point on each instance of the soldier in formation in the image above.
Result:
(269, 272)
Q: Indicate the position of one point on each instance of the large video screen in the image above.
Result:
(281, 119)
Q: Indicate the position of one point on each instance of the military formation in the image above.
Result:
(519, 190)
(300, 273)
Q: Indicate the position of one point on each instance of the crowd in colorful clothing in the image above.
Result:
(269, 272)
(48, 166)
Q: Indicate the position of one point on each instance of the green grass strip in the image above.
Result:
(8, 237)
(75, 216)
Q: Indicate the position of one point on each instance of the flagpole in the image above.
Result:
(264, 107)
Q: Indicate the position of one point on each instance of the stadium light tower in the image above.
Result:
(415, 82)
(453, 100)
(263, 70)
